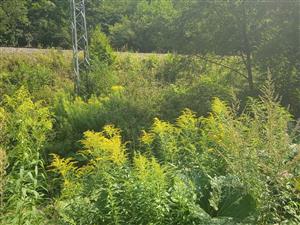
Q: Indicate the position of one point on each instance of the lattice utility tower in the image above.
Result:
(79, 40)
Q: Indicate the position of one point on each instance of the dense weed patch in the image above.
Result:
(219, 162)
(225, 165)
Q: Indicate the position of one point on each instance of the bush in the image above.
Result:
(41, 75)
(74, 117)
(98, 77)
(98, 80)
(196, 96)
(33, 78)
(100, 48)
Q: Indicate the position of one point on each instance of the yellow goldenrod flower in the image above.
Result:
(117, 88)
(147, 138)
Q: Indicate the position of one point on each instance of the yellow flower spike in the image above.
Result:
(161, 126)
(104, 148)
(63, 166)
(210, 150)
(157, 169)
(141, 166)
(117, 88)
(147, 138)
(111, 131)
(187, 119)
(118, 155)
(219, 107)
(92, 140)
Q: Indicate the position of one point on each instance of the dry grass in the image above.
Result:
(68, 53)
(3, 158)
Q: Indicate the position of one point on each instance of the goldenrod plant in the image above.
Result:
(25, 134)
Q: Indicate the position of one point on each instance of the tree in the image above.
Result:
(248, 29)
(147, 28)
(13, 16)
(107, 13)
(226, 28)
(49, 23)
(280, 52)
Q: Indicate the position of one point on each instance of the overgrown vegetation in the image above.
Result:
(208, 136)
(26, 126)
(226, 165)
(216, 165)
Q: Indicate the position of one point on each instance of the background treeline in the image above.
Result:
(157, 25)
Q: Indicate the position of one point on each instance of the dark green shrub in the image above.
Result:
(74, 117)
(43, 76)
(197, 97)
(175, 67)
(33, 78)
(100, 48)
(98, 80)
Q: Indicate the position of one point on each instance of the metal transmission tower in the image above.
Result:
(79, 39)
